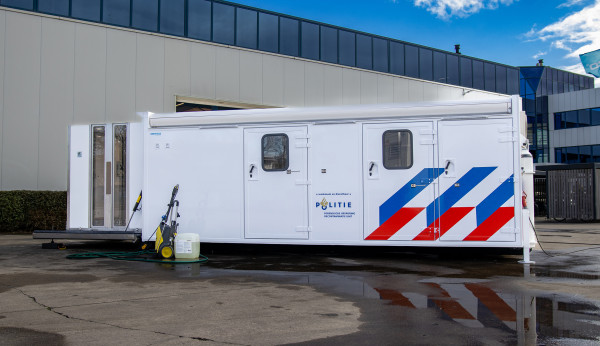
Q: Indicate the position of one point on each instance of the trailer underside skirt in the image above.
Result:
(90, 234)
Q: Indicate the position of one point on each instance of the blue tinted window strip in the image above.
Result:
(570, 80)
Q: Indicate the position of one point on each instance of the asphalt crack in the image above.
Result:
(49, 308)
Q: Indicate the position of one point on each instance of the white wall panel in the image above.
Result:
(203, 71)
(579, 98)
(401, 90)
(177, 72)
(449, 93)
(314, 84)
(368, 87)
(56, 102)
(385, 89)
(332, 86)
(251, 78)
(294, 81)
(430, 92)
(120, 76)
(351, 86)
(228, 74)
(2, 37)
(276, 73)
(21, 102)
(415, 91)
(90, 74)
(149, 73)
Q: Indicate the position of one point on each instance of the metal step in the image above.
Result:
(88, 234)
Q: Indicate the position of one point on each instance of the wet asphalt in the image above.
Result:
(268, 295)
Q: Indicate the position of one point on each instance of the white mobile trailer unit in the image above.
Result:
(431, 174)
(447, 174)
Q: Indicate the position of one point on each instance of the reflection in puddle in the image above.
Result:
(471, 303)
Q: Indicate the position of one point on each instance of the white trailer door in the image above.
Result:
(276, 185)
(109, 176)
(477, 187)
(399, 174)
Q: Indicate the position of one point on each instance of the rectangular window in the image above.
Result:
(268, 32)
(584, 117)
(558, 120)
(397, 149)
(452, 74)
(58, 7)
(397, 58)
(572, 154)
(120, 175)
(439, 67)
(425, 64)
(98, 174)
(86, 9)
(116, 12)
(199, 19)
(275, 152)
(585, 154)
(144, 14)
(512, 81)
(595, 115)
(380, 55)
(347, 48)
(23, 4)
(246, 28)
(288, 36)
(558, 157)
(310, 41)
(329, 44)
(223, 23)
(478, 75)
(501, 80)
(596, 153)
(489, 71)
(466, 72)
(411, 61)
(364, 52)
(571, 119)
(172, 17)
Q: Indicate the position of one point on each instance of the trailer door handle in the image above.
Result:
(371, 166)
(108, 177)
(252, 170)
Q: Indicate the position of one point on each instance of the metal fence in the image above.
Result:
(571, 192)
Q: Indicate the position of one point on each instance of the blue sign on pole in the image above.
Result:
(591, 62)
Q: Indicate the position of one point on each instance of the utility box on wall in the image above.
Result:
(572, 191)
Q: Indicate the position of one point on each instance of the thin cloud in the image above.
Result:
(539, 55)
(446, 9)
(571, 3)
(577, 33)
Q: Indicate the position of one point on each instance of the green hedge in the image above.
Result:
(25, 211)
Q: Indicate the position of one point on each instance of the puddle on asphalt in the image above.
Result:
(462, 292)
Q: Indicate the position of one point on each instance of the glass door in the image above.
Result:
(109, 176)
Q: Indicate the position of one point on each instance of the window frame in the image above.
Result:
(383, 150)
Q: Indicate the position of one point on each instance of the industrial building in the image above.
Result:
(70, 62)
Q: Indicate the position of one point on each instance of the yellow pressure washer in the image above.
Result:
(167, 229)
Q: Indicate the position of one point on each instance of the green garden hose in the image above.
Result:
(134, 256)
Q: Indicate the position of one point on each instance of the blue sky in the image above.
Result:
(513, 32)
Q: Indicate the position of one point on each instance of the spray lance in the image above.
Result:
(135, 208)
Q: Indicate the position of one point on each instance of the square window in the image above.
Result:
(397, 149)
(275, 152)
(246, 28)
